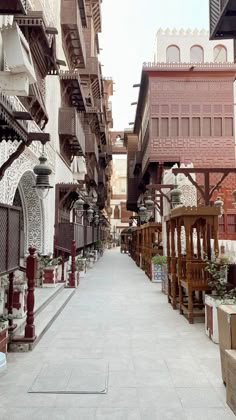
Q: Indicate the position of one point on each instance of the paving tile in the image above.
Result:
(117, 414)
(156, 397)
(119, 398)
(209, 414)
(160, 366)
(163, 413)
(199, 397)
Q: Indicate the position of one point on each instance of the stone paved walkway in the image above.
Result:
(160, 366)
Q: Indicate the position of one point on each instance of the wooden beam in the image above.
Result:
(21, 115)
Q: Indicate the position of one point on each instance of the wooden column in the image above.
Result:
(62, 267)
(30, 274)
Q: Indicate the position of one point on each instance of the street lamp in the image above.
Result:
(219, 204)
(42, 172)
(143, 213)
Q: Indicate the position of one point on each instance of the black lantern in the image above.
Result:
(149, 203)
(90, 214)
(79, 207)
(143, 213)
(42, 172)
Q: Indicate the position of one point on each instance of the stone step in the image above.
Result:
(45, 314)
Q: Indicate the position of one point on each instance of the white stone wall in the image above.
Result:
(185, 39)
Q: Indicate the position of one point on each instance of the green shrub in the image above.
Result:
(159, 260)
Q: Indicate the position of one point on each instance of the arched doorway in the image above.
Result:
(33, 220)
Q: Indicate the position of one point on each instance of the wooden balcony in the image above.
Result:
(72, 84)
(222, 19)
(83, 236)
(92, 68)
(71, 130)
(101, 177)
(13, 7)
(91, 145)
(41, 38)
(74, 43)
(137, 162)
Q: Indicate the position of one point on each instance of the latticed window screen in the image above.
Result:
(218, 127)
(206, 127)
(222, 224)
(116, 212)
(155, 127)
(231, 223)
(174, 127)
(196, 129)
(229, 127)
(185, 127)
(164, 127)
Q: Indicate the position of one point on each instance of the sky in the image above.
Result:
(128, 37)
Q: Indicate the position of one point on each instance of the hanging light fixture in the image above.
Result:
(42, 172)
(149, 203)
(175, 196)
(143, 213)
(79, 206)
(96, 219)
(219, 204)
(90, 214)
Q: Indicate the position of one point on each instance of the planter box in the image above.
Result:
(159, 274)
(50, 276)
(227, 333)
(69, 280)
(211, 317)
(3, 340)
(230, 356)
(19, 300)
(211, 321)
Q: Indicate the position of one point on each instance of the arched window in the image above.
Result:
(220, 54)
(173, 54)
(196, 54)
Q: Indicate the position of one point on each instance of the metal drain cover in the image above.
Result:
(80, 377)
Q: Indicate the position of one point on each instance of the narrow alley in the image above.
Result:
(160, 366)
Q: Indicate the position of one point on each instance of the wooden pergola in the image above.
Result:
(188, 233)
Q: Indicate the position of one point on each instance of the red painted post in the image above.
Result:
(62, 267)
(71, 281)
(11, 326)
(30, 274)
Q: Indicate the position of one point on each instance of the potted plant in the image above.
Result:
(49, 267)
(3, 333)
(80, 264)
(221, 293)
(159, 269)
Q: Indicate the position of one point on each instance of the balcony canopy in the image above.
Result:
(12, 7)
(222, 19)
